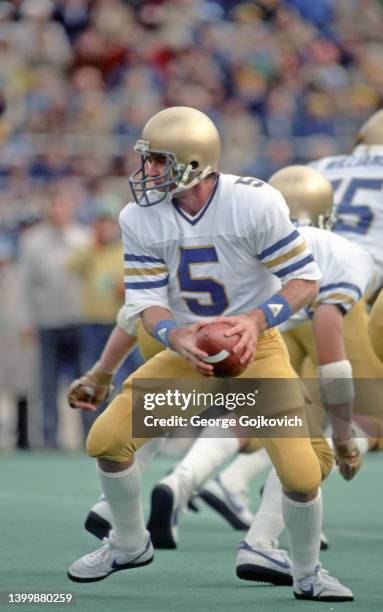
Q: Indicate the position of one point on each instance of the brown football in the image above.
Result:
(213, 341)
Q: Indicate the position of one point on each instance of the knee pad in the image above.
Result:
(305, 481)
(299, 470)
(108, 445)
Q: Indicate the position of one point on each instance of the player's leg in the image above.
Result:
(300, 468)
(99, 519)
(111, 441)
(302, 511)
(267, 526)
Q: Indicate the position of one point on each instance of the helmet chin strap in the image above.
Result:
(185, 175)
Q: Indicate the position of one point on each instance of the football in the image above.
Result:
(213, 341)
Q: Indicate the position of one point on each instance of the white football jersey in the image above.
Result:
(357, 180)
(348, 273)
(226, 260)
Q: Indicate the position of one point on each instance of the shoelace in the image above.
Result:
(101, 553)
(323, 572)
(284, 554)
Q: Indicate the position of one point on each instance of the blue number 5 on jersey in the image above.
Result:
(193, 256)
(350, 209)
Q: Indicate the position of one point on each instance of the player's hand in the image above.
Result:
(91, 390)
(347, 457)
(247, 328)
(184, 341)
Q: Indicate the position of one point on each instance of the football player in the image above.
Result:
(188, 227)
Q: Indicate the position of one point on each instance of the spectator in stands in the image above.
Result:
(54, 296)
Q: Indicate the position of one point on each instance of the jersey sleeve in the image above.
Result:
(279, 245)
(146, 275)
(349, 273)
(342, 294)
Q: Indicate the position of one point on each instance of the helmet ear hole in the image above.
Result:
(194, 165)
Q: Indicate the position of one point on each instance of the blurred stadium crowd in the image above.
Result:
(284, 80)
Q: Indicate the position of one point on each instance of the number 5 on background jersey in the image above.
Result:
(354, 216)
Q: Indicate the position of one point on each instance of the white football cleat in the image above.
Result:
(263, 564)
(99, 520)
(233, 506)
(108, 559)
(320, 586)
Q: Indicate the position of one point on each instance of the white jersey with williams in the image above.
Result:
(226, 260)
(348, 273)
(357, 180)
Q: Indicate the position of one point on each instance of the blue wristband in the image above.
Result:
(162, 330)
(276, 309)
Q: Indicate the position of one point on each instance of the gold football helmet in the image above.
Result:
(308, 195)
(190, 145)
(371, 132)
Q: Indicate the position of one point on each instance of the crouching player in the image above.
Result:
(188, 228)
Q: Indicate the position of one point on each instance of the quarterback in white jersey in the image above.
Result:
(203, 245)
(357, 181)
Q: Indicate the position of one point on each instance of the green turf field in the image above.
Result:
(45, 497)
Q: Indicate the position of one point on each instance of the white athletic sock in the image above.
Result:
(268, 522)
(206, 455)
(304, 524)
(237, 476)
(146, 452)
(123, 492)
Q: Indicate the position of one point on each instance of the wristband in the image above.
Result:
(276, 309)
(162, 329)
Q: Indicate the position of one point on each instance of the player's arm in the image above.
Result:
(336, 385)
(92, 389)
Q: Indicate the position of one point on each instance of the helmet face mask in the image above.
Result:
(187, 142)
(327, 222)
(148, 190)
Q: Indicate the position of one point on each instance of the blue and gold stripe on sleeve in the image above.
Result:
(288, 255)
(144, 272)
(342, 294)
